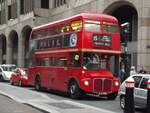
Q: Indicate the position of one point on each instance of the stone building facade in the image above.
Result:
(18, 17)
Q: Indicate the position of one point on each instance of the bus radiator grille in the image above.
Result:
(102, 85)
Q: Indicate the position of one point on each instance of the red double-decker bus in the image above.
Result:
(74, 55)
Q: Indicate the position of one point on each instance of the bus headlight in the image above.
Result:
(86, 83)
(116, 83)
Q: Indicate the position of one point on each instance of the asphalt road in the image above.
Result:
(112, 105)
(88, 101)
(94, 101)
(8, 105)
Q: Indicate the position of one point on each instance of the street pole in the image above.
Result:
(129, 96)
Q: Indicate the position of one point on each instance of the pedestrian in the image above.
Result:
(132, 71)
(122, 74)
(142, 71)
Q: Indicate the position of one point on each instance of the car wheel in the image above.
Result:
(11, 82)
(1, 78)
(20, 83)
(74, 90)
(37, 83)
(122, 102)
(112, 96)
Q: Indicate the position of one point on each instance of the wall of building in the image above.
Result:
(15, 24)
(140, 48)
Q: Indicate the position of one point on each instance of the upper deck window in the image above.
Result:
(109, 27)
(92, 25)
(76, 25)
(56, 30)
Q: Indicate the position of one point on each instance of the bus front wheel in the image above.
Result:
(37, 83)
(74, 90)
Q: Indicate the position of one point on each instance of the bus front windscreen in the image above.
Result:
(94, 61)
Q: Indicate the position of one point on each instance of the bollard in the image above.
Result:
(148, 97)
(129, 96)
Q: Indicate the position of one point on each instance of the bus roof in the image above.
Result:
(93, 16)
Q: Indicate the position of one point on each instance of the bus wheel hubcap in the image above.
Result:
(72, 89)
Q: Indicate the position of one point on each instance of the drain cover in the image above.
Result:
(63, 105)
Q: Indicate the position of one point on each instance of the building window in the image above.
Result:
(1, 1)
(21, 6)
(58, 3)
(0, 17)
(12, 11)
(45, 4)
(2, 12)
(26, 6)
(9, 12)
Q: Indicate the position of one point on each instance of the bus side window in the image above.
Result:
(38, 61)
(53, 61)
(46, 62)
(62, 62)
(75, 60)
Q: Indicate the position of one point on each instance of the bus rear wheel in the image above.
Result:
(37, 83)
(74, 90)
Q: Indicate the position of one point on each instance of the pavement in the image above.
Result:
(43, 102)
(8, 105)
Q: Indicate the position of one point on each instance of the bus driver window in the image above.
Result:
(91, 61)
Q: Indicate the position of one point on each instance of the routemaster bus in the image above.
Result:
(73, 55)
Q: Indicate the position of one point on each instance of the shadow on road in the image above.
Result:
(86, 97)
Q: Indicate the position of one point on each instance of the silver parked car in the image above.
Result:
(140, 91)
(5, 71)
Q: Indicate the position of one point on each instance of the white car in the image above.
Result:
(140, 91)
(5, 71)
